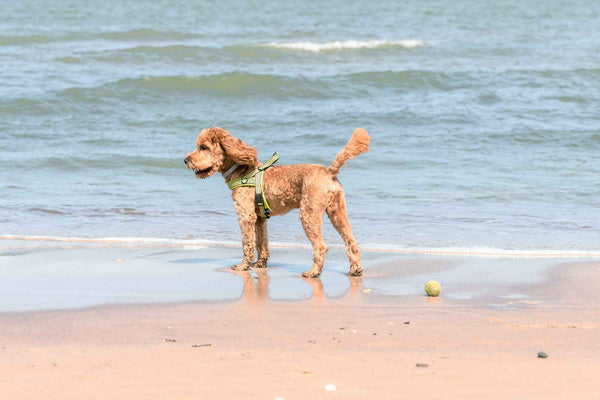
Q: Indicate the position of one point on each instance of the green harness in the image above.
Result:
(255, 179)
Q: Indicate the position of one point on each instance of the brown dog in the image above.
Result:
(312, 188)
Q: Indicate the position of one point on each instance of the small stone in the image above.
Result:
(170, 340)
(542, 354)
(422, 365)
(330, 387)
(406, 322)
(202, 345)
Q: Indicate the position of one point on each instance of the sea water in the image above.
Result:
(484, 117)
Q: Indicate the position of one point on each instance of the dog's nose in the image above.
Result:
(187, 159)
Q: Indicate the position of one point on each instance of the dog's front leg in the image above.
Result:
(243, 200)
(262, 243)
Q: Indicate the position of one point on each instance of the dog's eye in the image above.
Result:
(203, 147)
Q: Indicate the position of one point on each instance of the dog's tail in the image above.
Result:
(358, 143)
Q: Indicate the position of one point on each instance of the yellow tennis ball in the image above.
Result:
(433, 288)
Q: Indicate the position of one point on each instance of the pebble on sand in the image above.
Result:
(542, 354)
(330, 387)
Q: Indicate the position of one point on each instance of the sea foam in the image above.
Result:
(475, 251)
(348, 44)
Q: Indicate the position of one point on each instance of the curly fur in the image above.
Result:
(314, 189)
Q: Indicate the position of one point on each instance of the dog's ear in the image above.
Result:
(237, 150)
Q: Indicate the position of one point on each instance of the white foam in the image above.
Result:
(348, 44)
(477, 251)
(122, 241)
(367, 247)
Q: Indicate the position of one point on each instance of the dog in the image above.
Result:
(314, 189)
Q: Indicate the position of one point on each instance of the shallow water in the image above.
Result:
(484, 117)
(53, 278)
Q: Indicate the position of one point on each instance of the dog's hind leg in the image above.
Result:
(339, 219)
(262, 243)
(311, 216)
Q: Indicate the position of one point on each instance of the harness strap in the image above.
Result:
(250, 178)
(255, 179)
(230, 170)
(259, 197)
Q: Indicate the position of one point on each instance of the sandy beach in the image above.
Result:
(354, 337)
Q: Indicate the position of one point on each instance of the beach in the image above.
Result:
(482, 174)
(265, 338)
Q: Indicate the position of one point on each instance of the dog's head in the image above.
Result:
(216, 150)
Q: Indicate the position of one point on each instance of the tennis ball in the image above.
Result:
(433, 288)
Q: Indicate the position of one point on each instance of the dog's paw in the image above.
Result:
(260, 263)
(311, 274)
(241, 267)
(355, 270)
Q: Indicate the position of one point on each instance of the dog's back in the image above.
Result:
(286, 186)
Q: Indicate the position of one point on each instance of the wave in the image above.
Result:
(19, 40)
(188, 51)
(69, 163)
(147, 34)
(240, 83)
(394, 249)
(234, 84)
(345, 45)
(142, 34)
(226, 84)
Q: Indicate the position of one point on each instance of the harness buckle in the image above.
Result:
(260, 203)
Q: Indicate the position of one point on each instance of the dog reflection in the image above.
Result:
(256, 288)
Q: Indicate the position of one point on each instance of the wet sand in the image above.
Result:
(284, 337)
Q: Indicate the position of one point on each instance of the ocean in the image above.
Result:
(484, 118)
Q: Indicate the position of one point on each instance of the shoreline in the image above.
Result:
(66, 278)
(51, 242)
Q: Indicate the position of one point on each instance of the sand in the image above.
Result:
(364, 341)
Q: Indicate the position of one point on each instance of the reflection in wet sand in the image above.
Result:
(256, 286)
(317, 287)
